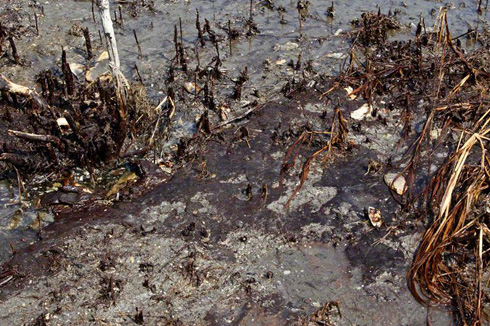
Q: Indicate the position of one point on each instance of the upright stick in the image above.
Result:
(120, 82)
(105, 16)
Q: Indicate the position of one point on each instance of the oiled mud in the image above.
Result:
(202, 250)
(227, 239)
(271, 57)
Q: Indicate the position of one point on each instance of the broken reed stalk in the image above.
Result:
(250, 21)
(21, 188)
(199, 30)
(181, 33)
(442, 39)
(38, 138)
(229, 35)
(3, 34)
(251, 13)
(338, 136)
(93, 11)
(15, 54)
(37, 25)
(67, 74)
(140, 53)
(121, 84)
(88, 43)
(458, 188)
(138, 73)
(176, 43)
(105, 16)
(120, 15)
(300, 23)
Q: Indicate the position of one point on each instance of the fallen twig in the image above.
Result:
(39, 138)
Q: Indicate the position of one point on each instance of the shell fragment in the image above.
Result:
(361, 113)
(191, 87)
(375, 218)
(396, 182)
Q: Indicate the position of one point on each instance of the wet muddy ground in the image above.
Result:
(201, 250)
(215, 244)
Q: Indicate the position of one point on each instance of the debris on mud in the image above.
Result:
(432, 77)
(217, 190)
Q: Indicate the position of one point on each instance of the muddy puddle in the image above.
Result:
(225, 237)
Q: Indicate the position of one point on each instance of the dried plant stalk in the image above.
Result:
(338, 136)
(120, 83)
(105, 16)
(458, 188)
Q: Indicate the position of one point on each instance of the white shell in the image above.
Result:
(289, 46)
(349, 90)
(96, 71)
(77, 69)
(435, 133)
(335, 55)
(62, 122)
(103, 56)
(375, 218)
(398, 185)
(191, 87)
(361, 113)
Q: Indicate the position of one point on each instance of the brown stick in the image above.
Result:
(37, 25)
(140, 53)
(15, 159)
(181, 35)
(120, 15)
(69, 79)
(229, 35)
(38, 138)
(93, 12)
(15, 54)
(88, 43)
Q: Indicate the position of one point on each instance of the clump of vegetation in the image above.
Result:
(431, 76)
